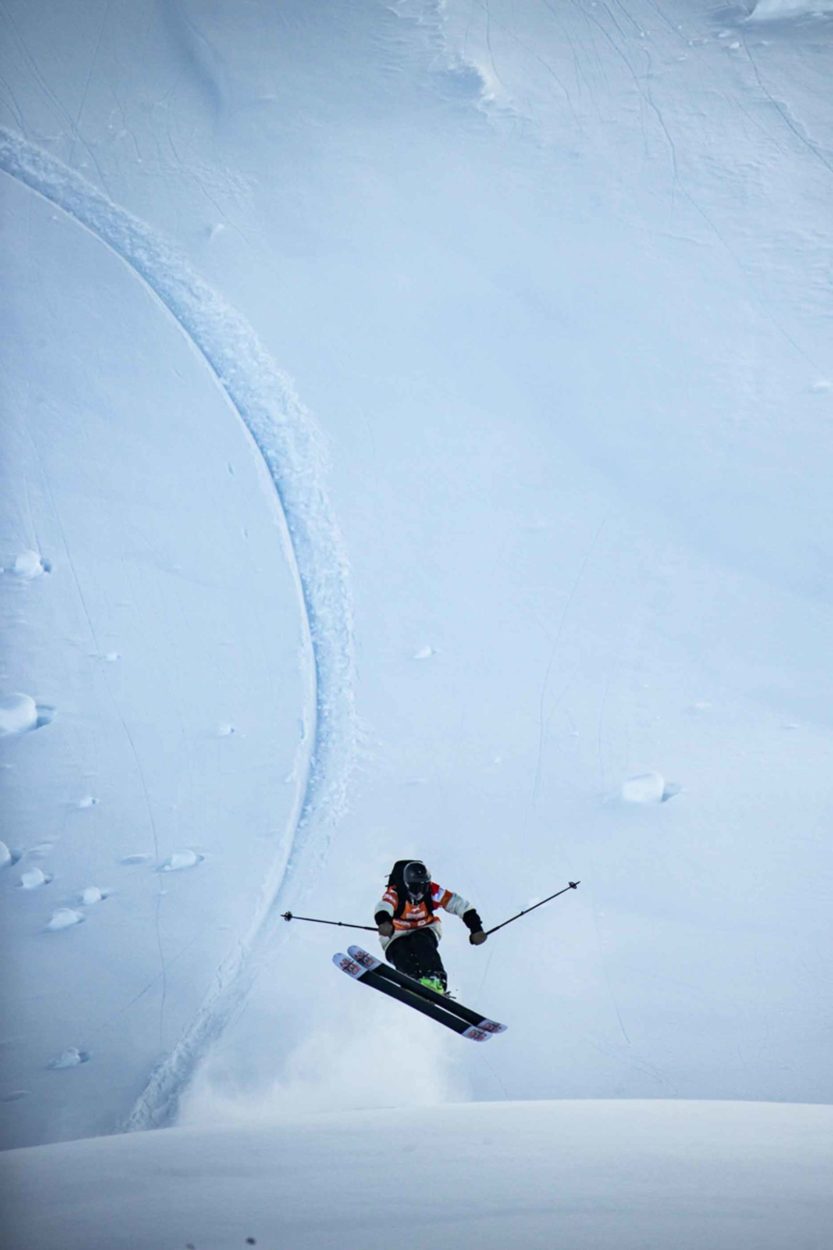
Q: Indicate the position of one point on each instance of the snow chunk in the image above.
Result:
(64, 918)
(424, 653)
(649, 788)
(87, 801)
(91, 895)
(225, 731)
(33, 878)
(18, 714)
(5, 855)
(181, 860)
(69, 1058)
(28, 565)
(645, 788)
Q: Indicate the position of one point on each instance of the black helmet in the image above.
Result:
(417, 880)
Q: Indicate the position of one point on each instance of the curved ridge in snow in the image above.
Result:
(289, 444)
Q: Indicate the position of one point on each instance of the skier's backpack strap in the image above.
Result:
(396, 880)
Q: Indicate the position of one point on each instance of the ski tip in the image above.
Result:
(348, 965)
(362, 957)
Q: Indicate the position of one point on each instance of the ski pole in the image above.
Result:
(342, 924)
(572, 886)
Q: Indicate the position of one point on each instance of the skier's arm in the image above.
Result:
(459, 906)
(385, 909)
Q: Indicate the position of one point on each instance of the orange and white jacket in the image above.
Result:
(417, 915)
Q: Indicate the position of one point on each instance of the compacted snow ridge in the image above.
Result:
(290, 446)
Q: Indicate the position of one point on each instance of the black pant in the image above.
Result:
(417, 955)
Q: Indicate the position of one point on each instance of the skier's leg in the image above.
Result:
(417, 955)
(400, 954)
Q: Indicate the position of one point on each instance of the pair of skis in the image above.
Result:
(388, 980)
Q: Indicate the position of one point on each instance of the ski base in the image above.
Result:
(362, 966)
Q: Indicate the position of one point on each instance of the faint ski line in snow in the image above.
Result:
(283, 432)
(86, 91)
(784, 112)
(50, 95)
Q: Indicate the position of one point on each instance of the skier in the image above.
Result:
(410, 932)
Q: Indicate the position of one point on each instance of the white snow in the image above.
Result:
(91, 895)
(33, 878)
(773, 10)
(442, 389)
(28, 565)
(424, 653)
(584, 1175)
(69, 1058)
(64, 918)
(18, 714)
(180, 860)
(644, 788)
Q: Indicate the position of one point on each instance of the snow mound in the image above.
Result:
(18, 714)
(181, 860)
(64, 918)
(644, 788)
(91, 895)
(72, 1057)
(33, 878)
(29, 565)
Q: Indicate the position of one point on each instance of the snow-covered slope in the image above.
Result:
(552, 280)
(594, 1176)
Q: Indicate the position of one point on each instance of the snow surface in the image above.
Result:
(774, 10)
(598, 1175)
(443, 389)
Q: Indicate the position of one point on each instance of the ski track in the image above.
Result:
(289, 444)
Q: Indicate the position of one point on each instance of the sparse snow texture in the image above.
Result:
(585, 1175)
(554, 282)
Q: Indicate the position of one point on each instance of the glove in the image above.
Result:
(475, 927)
(384, 924)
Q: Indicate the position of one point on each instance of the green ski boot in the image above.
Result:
(433, 983)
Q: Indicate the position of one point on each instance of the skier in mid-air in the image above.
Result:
(409, 930)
